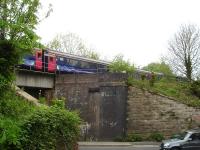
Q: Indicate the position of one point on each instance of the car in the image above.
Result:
(189, 140)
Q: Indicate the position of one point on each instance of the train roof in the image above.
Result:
(145, 71)
(64, 54)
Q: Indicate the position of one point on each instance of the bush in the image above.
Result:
(23, 126)
(152, 79)
(59, 103)
(195, 88)
(14, 107)
(130, 81)
(156, 137)
(9, 134)
(49, 126)
(143, 76)
(132, 137)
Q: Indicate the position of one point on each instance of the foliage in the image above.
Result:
(184, 52)
(59, 103)
(46, 127)
(42, 100)
(152, 79)
(23, 126)
(9, 56)
(120, 65)
(133, 137)
(18, 20)
(73, 44)
(13, 111)
(143, 77)
(15, 107)
(159, 67)
(4, 85)
(195, 88)
(156, 136)
(9, 134)
(130, 81)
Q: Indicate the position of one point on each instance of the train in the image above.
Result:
(52, 61)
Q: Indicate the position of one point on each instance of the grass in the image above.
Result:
(180, 91)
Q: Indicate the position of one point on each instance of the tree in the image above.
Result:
(120, 65)
(73, 44)
(159, 67)
(18, 20)
(184, 51)
(17, 36)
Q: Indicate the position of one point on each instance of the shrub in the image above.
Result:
(42, 100)
(59, 103)
(143, 76)
(9, 134)
(152, 79)
(195, 88)
(15, 107)
(156, 137)
(23, 126)
(132, 137)
(130, 81)
(49, 126)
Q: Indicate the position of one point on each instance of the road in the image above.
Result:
(136, 147)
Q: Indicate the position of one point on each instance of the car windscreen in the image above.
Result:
(180, 136)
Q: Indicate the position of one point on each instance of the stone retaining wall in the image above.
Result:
(149, 112)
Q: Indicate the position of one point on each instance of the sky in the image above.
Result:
(138, 29)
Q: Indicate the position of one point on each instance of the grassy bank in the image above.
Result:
(170, 87)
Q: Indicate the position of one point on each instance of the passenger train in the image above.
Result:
(52, 61)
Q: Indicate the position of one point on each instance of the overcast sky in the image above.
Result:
(138, 29)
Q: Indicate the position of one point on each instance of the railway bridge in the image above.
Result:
(99, 98)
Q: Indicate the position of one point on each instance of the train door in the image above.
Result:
(38, 60)
(45, 62)
(51, 63)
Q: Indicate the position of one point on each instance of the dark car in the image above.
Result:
(189, 140)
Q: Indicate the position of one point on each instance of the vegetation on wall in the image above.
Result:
(134, 137)
(195, 88)
(171, 87)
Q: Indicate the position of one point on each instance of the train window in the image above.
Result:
(85, 65)
(61, 59)
(93, 66)
(67, 60)
(74, 62)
